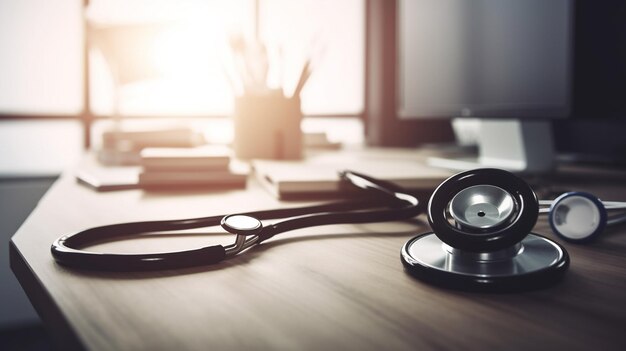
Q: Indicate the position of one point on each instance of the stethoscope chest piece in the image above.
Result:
(481, 238)
(577, 216)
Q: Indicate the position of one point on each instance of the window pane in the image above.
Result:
(40, 64)
(332, 34)
(43, 73)
(168, 56)
(39, 147)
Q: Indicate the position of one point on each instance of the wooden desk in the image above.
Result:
(327, 288)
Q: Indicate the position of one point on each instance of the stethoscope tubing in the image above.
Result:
(387, 205)
(616, 219)
(608, 205)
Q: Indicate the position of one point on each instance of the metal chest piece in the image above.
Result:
(481, 207)
(481, 241)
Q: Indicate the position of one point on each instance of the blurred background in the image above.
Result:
(72, 71)
(69, 61)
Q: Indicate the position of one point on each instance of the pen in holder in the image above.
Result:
(267, 126)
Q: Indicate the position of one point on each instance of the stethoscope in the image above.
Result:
(481, 239)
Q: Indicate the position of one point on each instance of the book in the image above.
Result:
(110, 178)
(106, 178)
(211, 157)
(292, 179)
(217, 179)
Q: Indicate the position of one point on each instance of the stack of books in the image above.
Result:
(206, 166)
(123, 148)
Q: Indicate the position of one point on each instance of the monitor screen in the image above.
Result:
(484, 58)
(595, 133)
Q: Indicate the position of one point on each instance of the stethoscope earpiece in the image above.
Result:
(481, 240)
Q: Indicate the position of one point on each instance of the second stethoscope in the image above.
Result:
(580, 217)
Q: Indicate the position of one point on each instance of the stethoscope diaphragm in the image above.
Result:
(533, 263)
(577, 216)
(482, 207)
(580, 217)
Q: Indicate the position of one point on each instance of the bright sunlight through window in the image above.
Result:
(174, 58)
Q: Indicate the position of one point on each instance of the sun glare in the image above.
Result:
(189, 58)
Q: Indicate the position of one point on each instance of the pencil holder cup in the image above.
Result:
(267, 127)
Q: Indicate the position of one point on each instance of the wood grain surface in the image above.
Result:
(339, 287)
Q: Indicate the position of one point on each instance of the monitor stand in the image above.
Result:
(515, 145)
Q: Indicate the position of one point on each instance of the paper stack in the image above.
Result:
(208, 166)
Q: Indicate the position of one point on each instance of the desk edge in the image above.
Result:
(55, 323)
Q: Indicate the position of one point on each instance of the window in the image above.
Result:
(40, 66)
(189, 59)
(169, 55)
(332, 33)
(43, 74)
(41, 61)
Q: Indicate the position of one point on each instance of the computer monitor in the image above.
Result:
(507, 62)
(595, 133)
